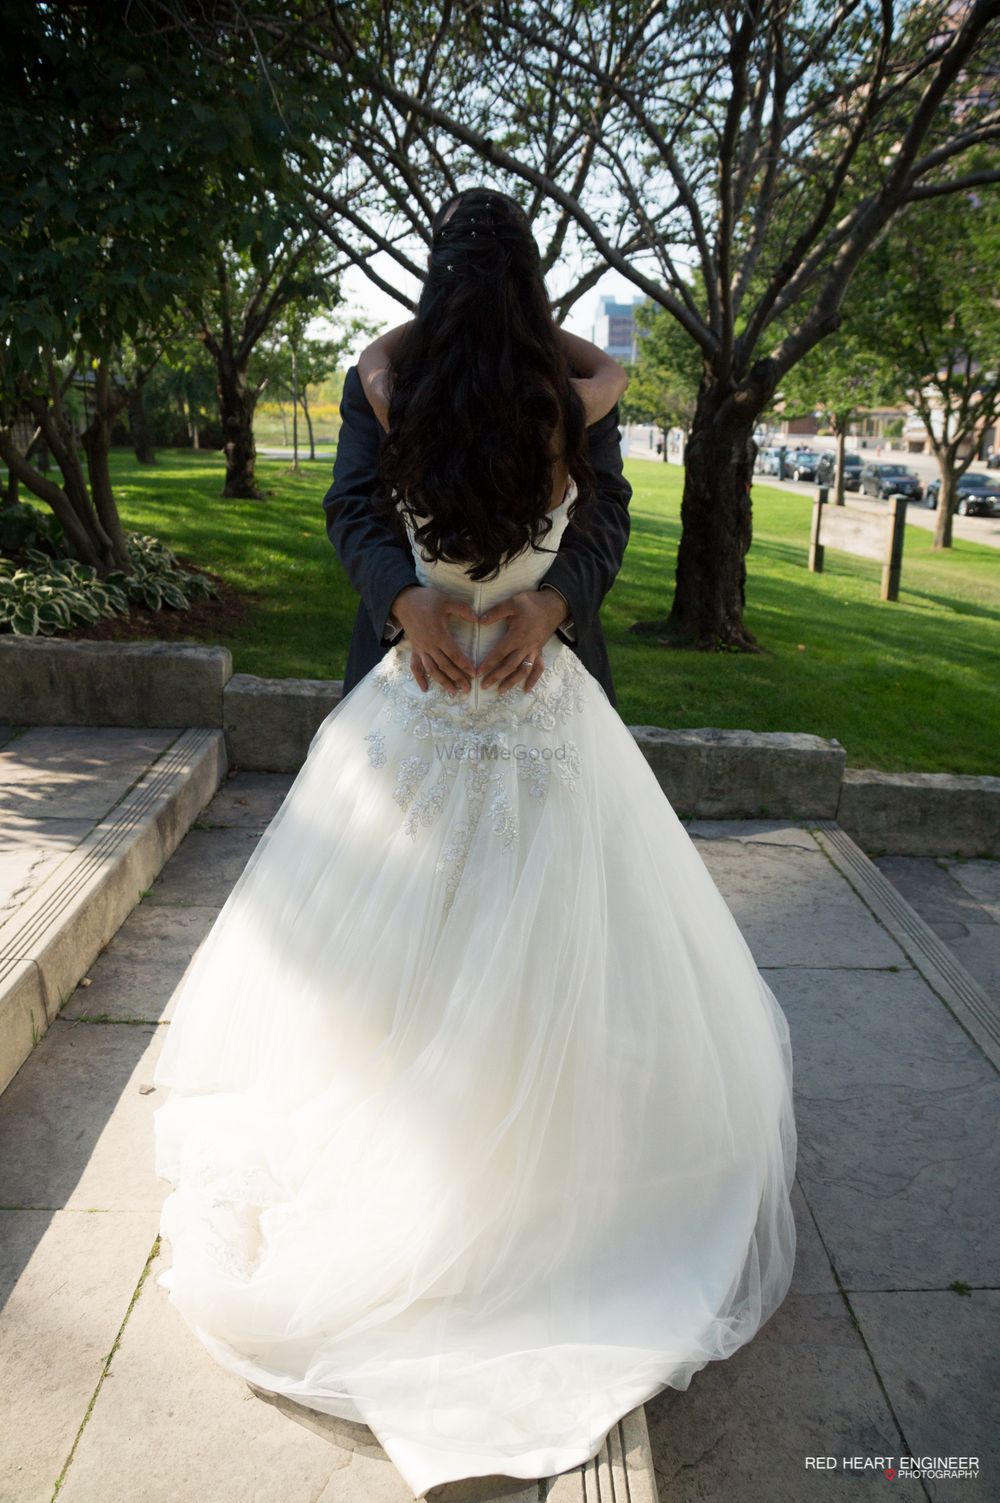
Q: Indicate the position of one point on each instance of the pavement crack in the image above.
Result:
(106, 1368)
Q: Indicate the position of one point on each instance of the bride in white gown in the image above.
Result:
(478, 1116)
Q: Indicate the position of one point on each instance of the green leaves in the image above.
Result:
(44, 595)
(125, 159)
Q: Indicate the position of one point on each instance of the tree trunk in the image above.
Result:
(192, 423)
(309, 425)
(236, 409)
(295, 410)
(142, 438)
(83, 524)
(97, 446)
(840, 429)
(82, 540)
(945, 504)
(89, 515)
(716, 531)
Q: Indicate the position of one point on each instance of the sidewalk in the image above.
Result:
(884, 1347)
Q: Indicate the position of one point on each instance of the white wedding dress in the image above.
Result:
(479, 1113)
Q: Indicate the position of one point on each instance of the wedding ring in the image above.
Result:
(528, 663)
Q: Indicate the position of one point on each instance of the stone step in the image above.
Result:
(87, 820)
(621, 1472)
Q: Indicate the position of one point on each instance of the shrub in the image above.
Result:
(25, 526)
(43, 595)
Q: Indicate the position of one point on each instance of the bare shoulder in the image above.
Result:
(600, 394)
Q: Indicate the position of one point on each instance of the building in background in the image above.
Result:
(614, 330)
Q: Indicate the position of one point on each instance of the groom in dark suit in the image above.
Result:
(381, 567)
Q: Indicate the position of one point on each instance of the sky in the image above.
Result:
(364, 298)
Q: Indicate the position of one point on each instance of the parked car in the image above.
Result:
(801, 464)
(884, 480)
(826, 469)
(977, 495)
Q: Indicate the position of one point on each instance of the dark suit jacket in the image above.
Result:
(379, 565)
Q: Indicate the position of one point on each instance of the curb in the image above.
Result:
(960, 992)
(57, 934)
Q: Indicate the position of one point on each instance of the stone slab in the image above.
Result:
(898, 1114)
(982, 880)
(204, 867)
(136, 975)
(66, 1280)
(779, 832)
(959, 991)
(24, 1014)
(30, 851)
(720, 774)
(969, 928)
(75, 1125)
(75, 772)
(921, 813)
(247, 800)
(938, 1354)
(742, 1431)
(64, 923)
(269, 722)
(812, 1273)
(46, 681)
(170, 1425)
(793, 907)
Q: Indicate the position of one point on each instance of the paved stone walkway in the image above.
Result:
(885, 1347)
(961, 902)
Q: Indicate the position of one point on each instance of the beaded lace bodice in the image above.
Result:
(484, 737)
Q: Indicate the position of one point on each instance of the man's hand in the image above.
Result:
(534, 616)
(422, 612)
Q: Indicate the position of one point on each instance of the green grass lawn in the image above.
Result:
(905, 685)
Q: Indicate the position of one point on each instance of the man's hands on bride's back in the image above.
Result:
(423, 612)
(532, 616)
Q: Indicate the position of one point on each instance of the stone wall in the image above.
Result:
(706, 773)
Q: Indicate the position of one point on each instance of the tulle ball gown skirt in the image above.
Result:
(478, 1113)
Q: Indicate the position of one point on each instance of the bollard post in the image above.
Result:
(815, 546)
(893, 565)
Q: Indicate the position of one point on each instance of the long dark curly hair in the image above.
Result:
(478, 385)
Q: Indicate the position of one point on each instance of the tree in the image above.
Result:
(136, 363)
(181, 397)
(289, 362)
(843, 375)
(772, 144)
(121, 167)
(282, 268)
(941, 329)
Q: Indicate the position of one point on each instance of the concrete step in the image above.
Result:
(621, 1472)
(88, 817)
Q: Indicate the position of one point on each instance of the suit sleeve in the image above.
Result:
(568, 627)
(375, 561)
(585, 566)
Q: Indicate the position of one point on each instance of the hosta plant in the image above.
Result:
(40, 595)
